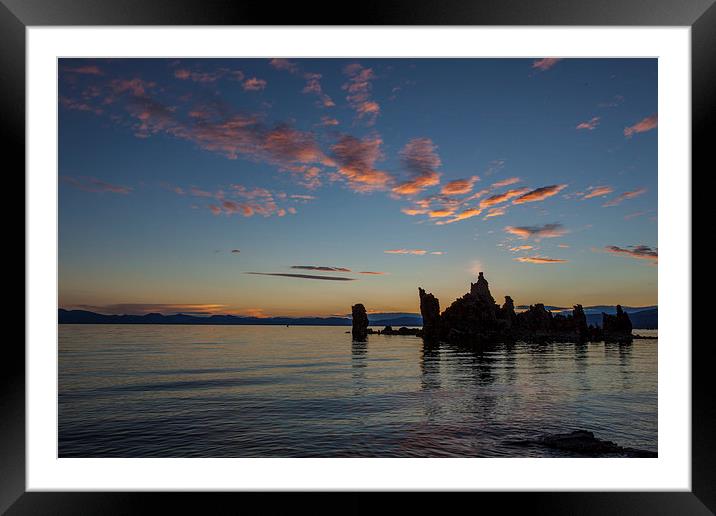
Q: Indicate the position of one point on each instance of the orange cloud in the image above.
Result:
(414, 211)
(420, 158)
(545, 63)
(500, 198)
(539, 194)
(647, 124)
(467, 214)
(538, 259)
(537, 232)
(521, 248)
(589, 125)
(639, 252)
(496, 212)
(459, 186)
(505, 182)
(435, 214)
(625, 196)
(598, 191)
(406, 251)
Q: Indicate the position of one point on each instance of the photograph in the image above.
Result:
(372, 257)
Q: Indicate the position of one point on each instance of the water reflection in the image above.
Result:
(311, 392)
(430, 366)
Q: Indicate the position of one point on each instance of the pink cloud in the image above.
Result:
(647, 124)
(84, 70)
(505, 182)
(254, 84)
(639, 252)
(597, 191)
(284, 64)
(537, 232)
(545, 63)
(589, 125)
(359, 96)
(625, 196)
(92, 184)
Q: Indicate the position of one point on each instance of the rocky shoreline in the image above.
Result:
(476, 317)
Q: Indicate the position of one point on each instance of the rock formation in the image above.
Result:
(614, 326)
(430, 311)
(475, 317)
(360, 322)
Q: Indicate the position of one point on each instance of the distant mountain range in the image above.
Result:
(643, 318)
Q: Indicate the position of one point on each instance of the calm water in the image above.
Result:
(273, 391)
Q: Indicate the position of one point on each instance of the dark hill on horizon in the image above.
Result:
(645, 318)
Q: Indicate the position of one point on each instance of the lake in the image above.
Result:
(305, 391)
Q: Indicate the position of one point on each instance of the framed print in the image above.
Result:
(420, 249)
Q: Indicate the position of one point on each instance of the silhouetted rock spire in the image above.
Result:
(430, 311)
(481, 289)
(360, 322)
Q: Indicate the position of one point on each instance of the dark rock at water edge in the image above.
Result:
(583, 442)
(360, 322)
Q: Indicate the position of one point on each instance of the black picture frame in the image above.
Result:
(17, 15)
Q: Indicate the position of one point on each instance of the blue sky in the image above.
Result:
(218, 185)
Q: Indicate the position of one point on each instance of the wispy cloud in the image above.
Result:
(539, 194)
(496, 212)
(589, 125)
(420, 159)
(322, 268)
(647, 124)
(92, 184)
(597, 191)
(538, 259)
(519, 248)
(406, 251)
(537, 232)
(505, 182)
(463, 215)
(147, 308)
(302, 276)
(84, 70)
(545, 63)
(373, 273)
(625, 196)
(459, 186)
(235, 251)
(313, 84)
(359, 93)
(640, 252)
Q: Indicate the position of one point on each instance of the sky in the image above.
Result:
(298, 187)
